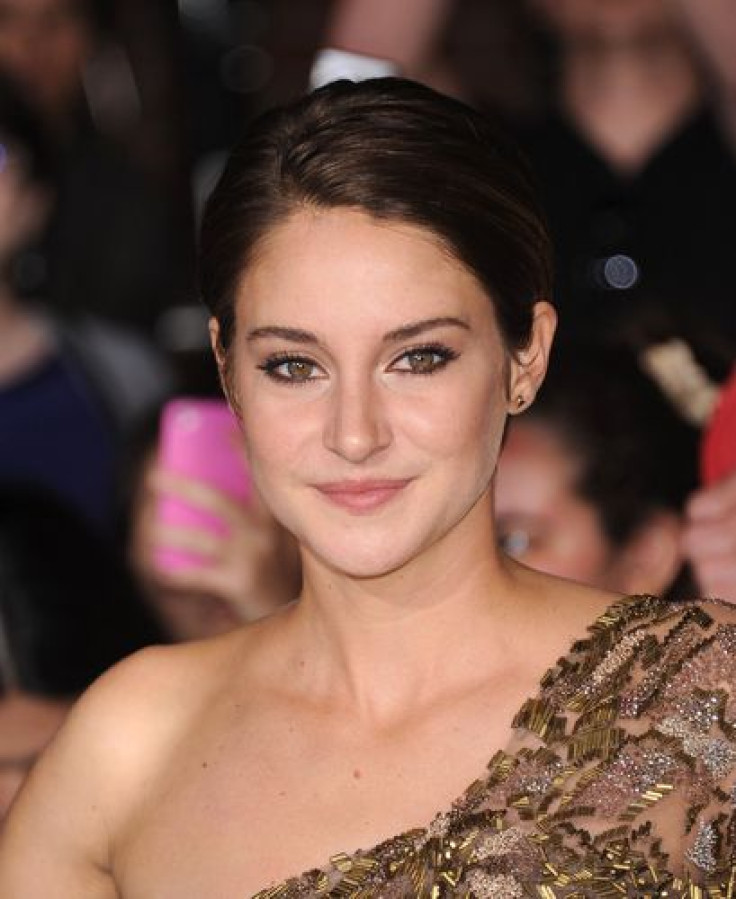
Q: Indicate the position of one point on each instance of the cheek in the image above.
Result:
(280, 438)
(459, 423)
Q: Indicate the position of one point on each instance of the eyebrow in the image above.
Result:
(296, 335)
(413, 329)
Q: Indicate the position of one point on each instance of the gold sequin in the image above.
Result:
(621, 783)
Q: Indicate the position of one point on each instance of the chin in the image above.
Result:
(363, 559)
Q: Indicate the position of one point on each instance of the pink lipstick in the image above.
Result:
(362, 496)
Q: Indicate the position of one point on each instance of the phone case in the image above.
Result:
(199, 438)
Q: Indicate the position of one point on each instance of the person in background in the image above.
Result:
(639, 144)
(593, 481)
(69, 389)
(110, 247)
(68, 611)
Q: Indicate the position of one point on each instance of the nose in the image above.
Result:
(357, 426)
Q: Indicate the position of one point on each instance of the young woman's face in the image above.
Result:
(372, 382)
(541, 519)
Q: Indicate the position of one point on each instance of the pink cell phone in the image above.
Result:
(199, 438)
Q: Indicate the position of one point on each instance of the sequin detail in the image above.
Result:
(485, 886)
(621, 781)
(703, 851)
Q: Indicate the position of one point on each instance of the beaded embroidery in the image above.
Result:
(623, 783)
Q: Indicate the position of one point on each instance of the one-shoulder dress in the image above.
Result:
(618, 779)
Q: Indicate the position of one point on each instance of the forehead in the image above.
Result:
(330, 264)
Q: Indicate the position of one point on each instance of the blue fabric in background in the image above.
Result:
(54, 434)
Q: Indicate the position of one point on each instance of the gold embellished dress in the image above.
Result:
(618, 779)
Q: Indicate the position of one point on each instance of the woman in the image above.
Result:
(592, 484)
(376, 267)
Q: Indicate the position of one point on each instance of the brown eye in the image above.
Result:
(298, 369)
(291, 369)
(424, 360)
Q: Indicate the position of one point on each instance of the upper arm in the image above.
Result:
(58, 840)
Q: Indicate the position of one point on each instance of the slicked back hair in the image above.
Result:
(398, 151)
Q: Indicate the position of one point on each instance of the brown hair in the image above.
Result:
(396, 150)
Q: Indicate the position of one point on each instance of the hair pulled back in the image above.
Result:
(396, 150)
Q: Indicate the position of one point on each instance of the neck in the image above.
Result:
(627, 96)
(379, 644)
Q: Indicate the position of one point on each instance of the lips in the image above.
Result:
(362, 496)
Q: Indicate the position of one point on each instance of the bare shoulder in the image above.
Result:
(62, 827)
(575, 612)
(565, 609)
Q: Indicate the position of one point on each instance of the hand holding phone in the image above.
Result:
(201, 440)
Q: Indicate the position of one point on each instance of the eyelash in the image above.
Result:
(445, 353)
(271, 365)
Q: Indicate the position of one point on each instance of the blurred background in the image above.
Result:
(115, 120)
(141, 99)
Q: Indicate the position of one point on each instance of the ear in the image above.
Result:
(651, 559)
(224, 368)
(529, 365)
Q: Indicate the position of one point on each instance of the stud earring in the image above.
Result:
(520, 402)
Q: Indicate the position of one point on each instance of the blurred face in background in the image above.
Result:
(27, 723)
(606, 20)
(545, 521)
(44, 45)
(541, 518)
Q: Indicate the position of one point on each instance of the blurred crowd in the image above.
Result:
(115, 116)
